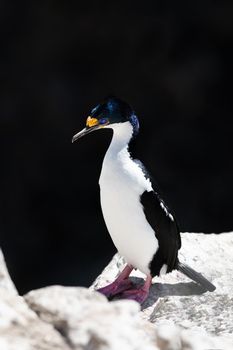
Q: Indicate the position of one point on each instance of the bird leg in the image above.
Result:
(120, 284)
(138, 294)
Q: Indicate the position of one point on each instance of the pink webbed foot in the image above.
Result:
(115, 288)
(140, 294)
(121, 283)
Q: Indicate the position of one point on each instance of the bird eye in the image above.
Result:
(103, 121)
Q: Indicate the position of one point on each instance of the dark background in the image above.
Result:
(172, 61)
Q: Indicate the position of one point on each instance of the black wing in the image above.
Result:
(166, 230)
(163, 223)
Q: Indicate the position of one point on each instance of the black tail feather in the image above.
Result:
(195, 276)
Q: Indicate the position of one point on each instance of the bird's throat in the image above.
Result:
(122, 134)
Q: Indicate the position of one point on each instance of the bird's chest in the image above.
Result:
(120, 200)
(120, 192)
(120, 195)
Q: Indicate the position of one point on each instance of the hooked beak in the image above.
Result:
(92, 124)
(84, 132)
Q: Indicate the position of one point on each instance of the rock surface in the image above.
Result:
(175, 300)
(20, 327)
(177, 315)
(6, 283)
(88, 321)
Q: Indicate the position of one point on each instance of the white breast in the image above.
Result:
(121, 185)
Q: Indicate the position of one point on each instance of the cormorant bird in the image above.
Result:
(142, 227)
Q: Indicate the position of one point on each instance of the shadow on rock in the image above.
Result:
(162, 290)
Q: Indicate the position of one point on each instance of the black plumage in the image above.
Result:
(167, 233)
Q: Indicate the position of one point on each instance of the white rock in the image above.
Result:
(20, 327)
(89, 321)
(5, 280)
(168, 337)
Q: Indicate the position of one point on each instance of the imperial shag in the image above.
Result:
(142, 227)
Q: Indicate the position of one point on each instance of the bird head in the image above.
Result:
(107, 114)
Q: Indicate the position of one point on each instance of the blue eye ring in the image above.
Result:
(103, 121)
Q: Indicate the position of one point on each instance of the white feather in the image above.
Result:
(163, 269)
(122, 182)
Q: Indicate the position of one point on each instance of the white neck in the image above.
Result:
(118, 169)
(122, 134)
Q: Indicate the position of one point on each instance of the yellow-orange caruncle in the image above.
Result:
(91, 122)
